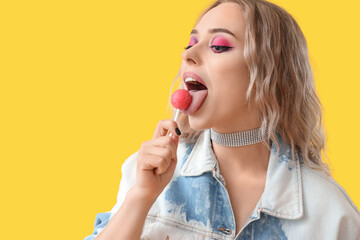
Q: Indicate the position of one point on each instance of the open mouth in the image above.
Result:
(193, 85)
(198, 90)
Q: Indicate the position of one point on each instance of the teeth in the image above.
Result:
(189, 79)
(192, 81)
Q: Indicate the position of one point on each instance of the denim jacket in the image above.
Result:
(297, 202)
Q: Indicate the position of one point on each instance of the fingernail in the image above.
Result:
(177, 131)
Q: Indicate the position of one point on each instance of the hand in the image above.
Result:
(156, 161)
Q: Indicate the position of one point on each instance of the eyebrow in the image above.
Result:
(215, 30)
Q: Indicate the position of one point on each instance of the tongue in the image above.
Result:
(198, 97)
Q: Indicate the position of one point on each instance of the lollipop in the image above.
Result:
(181, 100)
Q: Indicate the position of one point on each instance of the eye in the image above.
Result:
(219, 49)
(193, 41)
(187, 47)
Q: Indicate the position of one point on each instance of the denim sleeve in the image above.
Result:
(101, 221)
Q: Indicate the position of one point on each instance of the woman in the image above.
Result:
(248, 163)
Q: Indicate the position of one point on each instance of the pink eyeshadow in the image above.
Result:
(221, 42)
(192, 41)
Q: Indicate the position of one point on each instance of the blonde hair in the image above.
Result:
(281, 80)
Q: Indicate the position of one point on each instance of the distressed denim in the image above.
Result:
(297, 202)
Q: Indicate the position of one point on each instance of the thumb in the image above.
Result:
(176, 140)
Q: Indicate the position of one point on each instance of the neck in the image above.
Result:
(252, 159)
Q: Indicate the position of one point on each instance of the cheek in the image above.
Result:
(231, 80)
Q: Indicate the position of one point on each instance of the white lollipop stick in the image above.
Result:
(175, 118)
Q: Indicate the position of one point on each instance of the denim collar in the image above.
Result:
(282, 196)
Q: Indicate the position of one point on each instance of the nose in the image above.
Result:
(192, 55)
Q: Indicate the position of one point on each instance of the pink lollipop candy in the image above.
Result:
(181, 99)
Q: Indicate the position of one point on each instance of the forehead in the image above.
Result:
(226, 15)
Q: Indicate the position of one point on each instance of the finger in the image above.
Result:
(171, 168)
(176, 140)
(162, 165)
(165, 141)
(157, 163)
(164, 126)
(151, 162)
(165, 152)
(165, 168)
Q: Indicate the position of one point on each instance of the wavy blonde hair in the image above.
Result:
(281, 80)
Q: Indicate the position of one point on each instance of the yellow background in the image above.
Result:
(84, 83)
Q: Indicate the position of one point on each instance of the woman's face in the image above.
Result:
(222, 68)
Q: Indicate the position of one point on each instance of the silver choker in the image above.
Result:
(237, 139)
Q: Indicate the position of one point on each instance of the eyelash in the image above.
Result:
(226, 48)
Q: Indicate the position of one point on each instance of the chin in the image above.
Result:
(198, 123)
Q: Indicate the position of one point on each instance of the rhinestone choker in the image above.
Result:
(237, 139)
